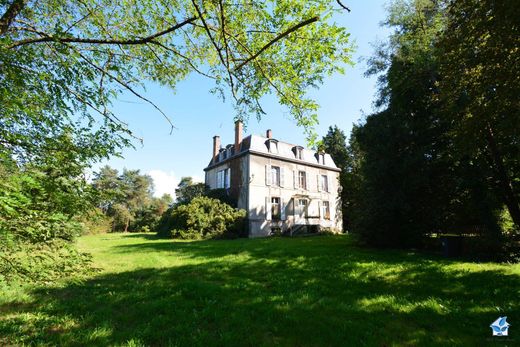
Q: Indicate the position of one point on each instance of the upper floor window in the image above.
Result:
(224, 178)
(302, 180)
(298, 152)
(274, 175)
(323, 183)
(272, 146)
(321, 158)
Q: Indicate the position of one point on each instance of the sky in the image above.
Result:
(199, 115)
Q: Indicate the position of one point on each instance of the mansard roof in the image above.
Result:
(259, 145)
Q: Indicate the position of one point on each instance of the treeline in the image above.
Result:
(126, 200)
(127, 204)
(442, 154)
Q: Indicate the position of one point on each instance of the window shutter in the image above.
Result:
(319, 182)
(268, 175)
(282, 209)
(294, 207)
(319, 209)
(295, 179)
(282, 176)
(267, 208)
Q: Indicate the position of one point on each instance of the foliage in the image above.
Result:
(41, 262)
(202, 218)
(127, 199)
(64, 62)
(335, 144)
(329, 291)
(187, 190)
(410, 173)
(480, 87)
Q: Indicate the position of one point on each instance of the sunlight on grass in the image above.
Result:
(289, 292)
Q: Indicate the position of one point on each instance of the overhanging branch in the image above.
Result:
(10, 14)
(139, 41)
(276, 39)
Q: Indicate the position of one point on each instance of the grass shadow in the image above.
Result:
(306, 292)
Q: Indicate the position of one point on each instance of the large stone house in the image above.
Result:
(284, 188)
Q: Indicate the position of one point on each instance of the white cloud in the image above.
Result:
(164, 182)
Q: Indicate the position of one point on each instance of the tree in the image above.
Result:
(187, 190)
(335, 144)
(63, 62)
(480, 88)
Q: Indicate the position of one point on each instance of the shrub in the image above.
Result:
(202, 218)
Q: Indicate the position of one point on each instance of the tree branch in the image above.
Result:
(140, 41)
(345, 7)
(10, 15)
(278, 38)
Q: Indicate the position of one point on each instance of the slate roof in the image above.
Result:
(258, 145)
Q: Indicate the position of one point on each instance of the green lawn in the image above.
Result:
(315, 291)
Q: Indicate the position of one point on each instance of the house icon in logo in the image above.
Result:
(500, 327)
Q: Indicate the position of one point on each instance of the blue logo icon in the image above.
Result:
(500, 326)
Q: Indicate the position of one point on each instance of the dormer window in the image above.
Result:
(221, 154)
(272, 146)
(298, 152)
(320, 156)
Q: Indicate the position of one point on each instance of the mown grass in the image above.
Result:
(319, 291)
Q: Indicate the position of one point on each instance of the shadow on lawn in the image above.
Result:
(284, 293)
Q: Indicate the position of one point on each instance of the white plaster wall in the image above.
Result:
(258, 191)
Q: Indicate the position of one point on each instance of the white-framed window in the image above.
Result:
(324, 183)
(301, 207)
(275, 208)
(272, 146)
(298, 152)
(325, 210)
(321, 158)
(274, 176)
(224, 178)
(302, 180)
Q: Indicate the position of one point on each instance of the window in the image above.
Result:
(302, 180)
(325, 210)
(224, 178)
(275, 175)
(272, 146)
(275, 208)
(324, 183)
(321, 158)
(301, 207)
(298, 152)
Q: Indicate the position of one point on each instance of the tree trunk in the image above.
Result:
(127, 222)
(508, 194)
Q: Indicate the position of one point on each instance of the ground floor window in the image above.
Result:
(301, 207)
(275, 208)
(325, 209)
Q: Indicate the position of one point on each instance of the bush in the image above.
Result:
(202, 218)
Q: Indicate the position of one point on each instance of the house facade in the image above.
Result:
(284, 188)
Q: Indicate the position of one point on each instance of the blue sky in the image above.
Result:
(198, 115)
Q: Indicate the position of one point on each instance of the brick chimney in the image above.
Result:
(269, 134)
(238, 135)
(216, 147)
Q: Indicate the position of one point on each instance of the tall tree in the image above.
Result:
(480, 88)
(335, 144)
